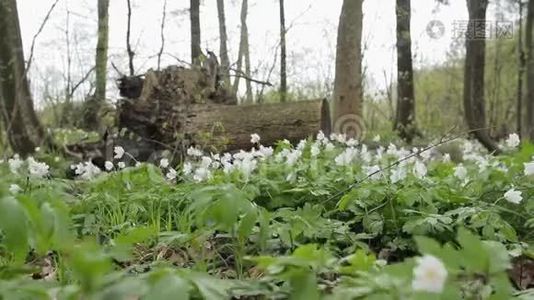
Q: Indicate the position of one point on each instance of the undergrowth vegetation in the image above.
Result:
(327, 218)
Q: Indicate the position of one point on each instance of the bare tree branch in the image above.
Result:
(241, 74)
(34, 39)
(131, 54)
(164, 15)
(81, 81)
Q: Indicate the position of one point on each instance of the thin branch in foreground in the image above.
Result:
(443, 140)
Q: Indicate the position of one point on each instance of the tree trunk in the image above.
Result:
(248, 73)
(196, 50)
(95, 103)
(528, 99)
(129, 50)
(348, 94)
(283, 66)
(223, 48)
(23, 128)
(520, 72)
(475, 52)
(243, 45)
(405, 118)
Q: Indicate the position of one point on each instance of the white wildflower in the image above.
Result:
(429, 275)
(419, 169)
(292, 157)
(164, 163)
(376, 139)
(460, 172)
(352, 142)
(227, 157)
(398, 174)
(14, 164)
(187, 168)
(513, 196)
(329, 147)
(373, 172)
(37, 149)
(301, 145)
(379, 152)
(119, 152)
(37, 169)
(255, 138)
(529, 168)
(171, 174)
(205, 162)
(266, 151)
(291, 177)
(315, 150)
(513, 141)
(346, 157)
(468, 147)
(86, 171)
(446, 158)
(247, 166)
(201, 174)
(108, 165)
(392, 150)
(15, 189)
(321, 136)
(191, 151)
(426, 155)
(121, 165)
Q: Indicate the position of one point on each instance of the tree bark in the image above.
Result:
(528, 96)
(217, 127)
(348, 94)
(95, 103)
(243, 48)
(520, 72)
(474, 102)
(283, 66)
(129, 50)
(405, 118)
(223, 44)
(23, 128)
(196, 50)
(178, 106)
(248, 72)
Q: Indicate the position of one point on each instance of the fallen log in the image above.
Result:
(231, 126)
(216, 127)
(176, 108)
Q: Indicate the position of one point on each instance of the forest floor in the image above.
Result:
(325, 219)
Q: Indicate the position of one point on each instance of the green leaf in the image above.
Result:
(474, 257)
(14, 226)
(373, 223)
(247, 224)
(361, 261)
(427, 245)
(304, 285)
(169, 286)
